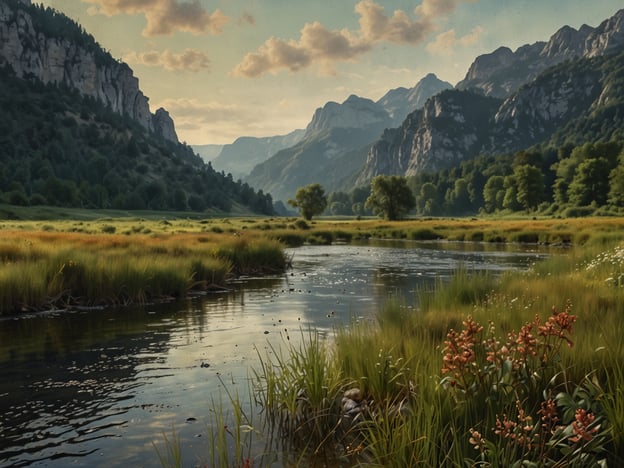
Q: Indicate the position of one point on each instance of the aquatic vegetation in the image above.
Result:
(47, 270)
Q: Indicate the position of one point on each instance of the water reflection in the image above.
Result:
(98, 387)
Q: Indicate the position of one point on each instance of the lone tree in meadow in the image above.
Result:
(391, 197)
(310, 200)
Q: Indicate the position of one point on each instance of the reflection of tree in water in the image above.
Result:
(65, 376)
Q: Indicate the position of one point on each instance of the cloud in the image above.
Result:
(164, 17)
(191, 60)
(318, 45)
(445, 43)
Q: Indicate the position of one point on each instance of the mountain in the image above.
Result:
(512, 100)
(502, 72)
(571, 103)
(240, 157)
(400, 102)
(54, 49)
(207, 152)
(333, 147)
(335, 144)
(76, 131)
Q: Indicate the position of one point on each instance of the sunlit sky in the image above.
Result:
(230, 68)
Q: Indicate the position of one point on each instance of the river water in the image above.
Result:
(101, 387)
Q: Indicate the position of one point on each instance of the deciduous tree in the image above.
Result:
(310, 200)
(391, 197)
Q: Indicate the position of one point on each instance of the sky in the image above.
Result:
(230, 68)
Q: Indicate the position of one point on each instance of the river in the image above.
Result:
(101, 387)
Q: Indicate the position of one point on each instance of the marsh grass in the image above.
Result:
(553, 397)
(45, 270)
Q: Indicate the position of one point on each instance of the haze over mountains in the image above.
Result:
(338, 134)
(507, 101)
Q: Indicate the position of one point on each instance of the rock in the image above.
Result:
(86, 67)
(354, 394)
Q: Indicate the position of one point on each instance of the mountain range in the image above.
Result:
(508, 100)
(77, 131)
(567, 90)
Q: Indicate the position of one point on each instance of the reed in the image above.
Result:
(49, 269)
(482, 374)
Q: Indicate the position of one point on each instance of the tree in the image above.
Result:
(494, 193)
(530, 186)
(310, 200)
(390, 196)
(590, 183)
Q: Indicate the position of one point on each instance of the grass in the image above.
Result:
(412, 408)
(53, 269)
(484, 373)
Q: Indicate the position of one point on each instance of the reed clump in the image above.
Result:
(46, 270)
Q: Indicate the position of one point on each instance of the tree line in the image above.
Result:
(568, 181)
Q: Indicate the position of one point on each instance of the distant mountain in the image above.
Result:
(400, 102)
(573, 103)
(335, 144)
(502, 72)
(76, 130)
(240, 157)
(207, 152)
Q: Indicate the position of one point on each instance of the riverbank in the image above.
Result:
(49, 269)
(528, 368)
(111, 261)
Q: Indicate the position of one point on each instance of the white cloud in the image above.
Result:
(446, 43)
(164, 17)
(323, 47)
(191, 60)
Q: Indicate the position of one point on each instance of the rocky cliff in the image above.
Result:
(60, 52)
(449, 126)
(458, 125)
(502, 72)
(510, 101)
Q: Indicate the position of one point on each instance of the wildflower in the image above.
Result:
(581, 426)
(476, 439)
(506, 427)
(526, 341)
(548, 414)
(559, 325)
(459, 349)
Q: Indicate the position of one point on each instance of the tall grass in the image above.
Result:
(50, 270)
(485, 373)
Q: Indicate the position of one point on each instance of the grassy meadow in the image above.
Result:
(523, 370)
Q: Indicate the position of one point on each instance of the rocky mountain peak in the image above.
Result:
(34, 49)
(399, 102)
(502, 72)
(354, 112)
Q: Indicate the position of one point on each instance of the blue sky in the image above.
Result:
(230, 68)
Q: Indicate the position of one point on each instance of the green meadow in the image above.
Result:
(522, 370)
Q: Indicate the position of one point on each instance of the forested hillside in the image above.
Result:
(61, 148)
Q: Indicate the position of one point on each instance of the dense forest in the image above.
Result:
(569, 180)
(60, 148)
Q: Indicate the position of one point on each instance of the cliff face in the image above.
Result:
(502, 72)
(451, 125)
(30, 52)
(508, 101)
